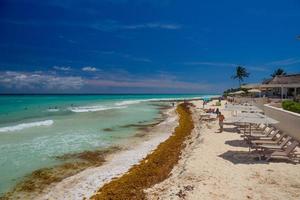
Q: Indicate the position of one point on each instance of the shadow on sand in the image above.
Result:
(237, 143)
(231, 130)
(242, 157)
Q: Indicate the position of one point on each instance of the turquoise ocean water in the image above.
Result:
(36, 128)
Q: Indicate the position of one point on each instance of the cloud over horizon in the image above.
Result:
(38, 80)
(46, 81)
(62, 68)
(89, 69)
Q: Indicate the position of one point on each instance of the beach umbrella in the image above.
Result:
(254, 91)
(239, 92)
(251, 118)
(242, 108)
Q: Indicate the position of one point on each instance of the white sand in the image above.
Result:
(87, 182)
(217, 166)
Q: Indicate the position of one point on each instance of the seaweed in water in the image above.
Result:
(108, 129)
(40, 179)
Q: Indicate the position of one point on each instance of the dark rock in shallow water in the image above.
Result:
(140, 125)
(140, 135)
(141, 122)
(108, 129)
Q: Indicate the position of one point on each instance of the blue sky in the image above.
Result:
(143, 46)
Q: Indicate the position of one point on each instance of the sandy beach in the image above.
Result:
(212, 165)
(217, 166)
(121, 100)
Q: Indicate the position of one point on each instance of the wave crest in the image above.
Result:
(22, 126)
(94, 108)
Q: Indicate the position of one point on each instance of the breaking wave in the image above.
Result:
(22, 126)
(94, 108)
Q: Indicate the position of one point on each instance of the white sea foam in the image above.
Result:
(22, 126)
(94, 108)
(130, 102)
(53, 110)
(87, 182)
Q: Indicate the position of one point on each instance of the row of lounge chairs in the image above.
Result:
(270, 143)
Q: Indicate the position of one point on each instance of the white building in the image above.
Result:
(283, 86)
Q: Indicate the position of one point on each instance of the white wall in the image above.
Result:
(289, 122)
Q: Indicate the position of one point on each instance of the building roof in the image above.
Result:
(284, 79)
(289, 81)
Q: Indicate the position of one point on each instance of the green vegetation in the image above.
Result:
(218, 103)
(278, 72)
(154, 168)
(226, 92)
(240, 74)
(291, 106)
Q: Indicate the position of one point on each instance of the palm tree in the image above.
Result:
(240, 74)
(278, 72)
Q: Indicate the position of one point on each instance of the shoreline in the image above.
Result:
(155, 167)
(84, 183)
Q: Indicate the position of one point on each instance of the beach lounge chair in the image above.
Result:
(268, 147)
(263, 134)
(259, 128)
(267, 134)
(286, 154)
(271, 136)
(274, 140)
(245, 128)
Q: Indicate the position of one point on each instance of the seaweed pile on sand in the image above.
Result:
(155, 167)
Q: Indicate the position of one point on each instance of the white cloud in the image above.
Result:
(126, 80)
(34, 80)
(89, 69)
(127, 56)
(62, 68)
(258, 68)
(151, 26)
(289, 61)
(112, 25)
(216, 64)
(103, 25)
(43, 81)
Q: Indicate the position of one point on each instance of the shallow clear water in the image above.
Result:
(36, 128)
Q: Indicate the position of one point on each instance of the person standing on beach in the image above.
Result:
(221, 121)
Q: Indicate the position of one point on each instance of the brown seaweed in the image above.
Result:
(154, 168)
(108, 129)
(74, 163)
